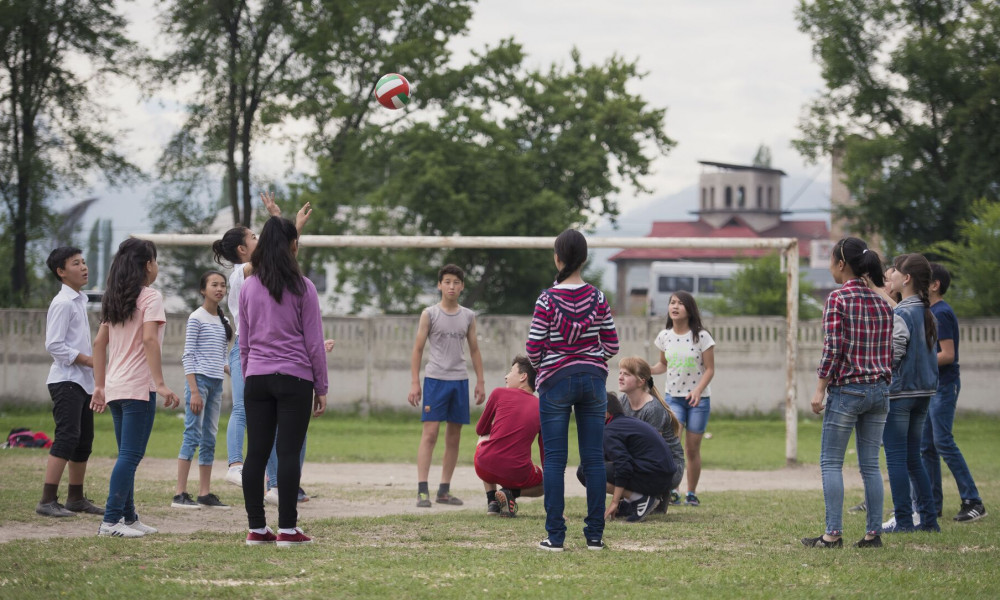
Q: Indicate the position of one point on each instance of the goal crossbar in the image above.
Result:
(789, 248)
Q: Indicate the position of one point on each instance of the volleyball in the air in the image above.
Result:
(392, 91)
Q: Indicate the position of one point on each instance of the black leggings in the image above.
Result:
(282, 403)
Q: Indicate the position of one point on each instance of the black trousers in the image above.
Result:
(650, 484)
(281, 403)
(74, 435)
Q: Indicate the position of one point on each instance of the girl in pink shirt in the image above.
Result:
(128, 374)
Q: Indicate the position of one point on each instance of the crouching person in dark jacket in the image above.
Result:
(638, 464)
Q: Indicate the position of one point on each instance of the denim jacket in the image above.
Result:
(914, 365)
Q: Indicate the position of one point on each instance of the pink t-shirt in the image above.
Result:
(128, 376)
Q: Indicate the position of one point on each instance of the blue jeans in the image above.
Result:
(586, 395)
(939, 443)
(200, 430)
(904, 429)
(861, 408)
(133, 420)
(272, 463)
(238, 419)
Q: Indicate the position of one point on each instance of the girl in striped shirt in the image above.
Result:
(205, 347)
(571, 339)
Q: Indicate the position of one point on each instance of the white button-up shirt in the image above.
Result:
(67, 335)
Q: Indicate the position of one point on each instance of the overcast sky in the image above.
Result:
(731, 74)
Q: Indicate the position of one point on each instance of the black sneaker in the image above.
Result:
(493, 509)
(212, 501)
(595, 544)
(643, 506)
(875, 542)
(84, 505)
(692, 500)
(184, 500)
(625, 508)
(547, 545)
(508, 506)
(819, 542)
(970, 511)
(863, 507)
(53, 509)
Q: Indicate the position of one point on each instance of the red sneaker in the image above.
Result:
(259, 539)
(298, 538)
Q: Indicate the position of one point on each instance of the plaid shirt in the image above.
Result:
(857, 336)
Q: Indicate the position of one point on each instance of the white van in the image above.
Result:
(701, 279)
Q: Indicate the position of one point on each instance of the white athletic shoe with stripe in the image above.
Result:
(118, 529)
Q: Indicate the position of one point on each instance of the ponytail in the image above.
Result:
(674, 423)
(226, 248)
(919, 270)
(861, 259)
(225, 323)
(571, 248)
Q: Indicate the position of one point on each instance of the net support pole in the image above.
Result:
(791, 253)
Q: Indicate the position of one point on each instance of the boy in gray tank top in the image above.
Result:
(445, 393)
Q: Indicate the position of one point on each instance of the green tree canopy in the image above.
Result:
(52, 132)
(759, 288)
(911, 102)
(973, 259)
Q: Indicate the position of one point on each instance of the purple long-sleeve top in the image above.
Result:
(285, 337)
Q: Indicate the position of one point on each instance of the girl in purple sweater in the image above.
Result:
(284, 363)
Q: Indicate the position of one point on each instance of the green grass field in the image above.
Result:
(736, 545)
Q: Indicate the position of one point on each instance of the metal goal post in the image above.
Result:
(789, 248)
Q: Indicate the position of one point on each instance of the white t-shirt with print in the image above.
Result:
(685, 363)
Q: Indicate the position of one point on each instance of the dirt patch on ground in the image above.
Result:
(356, 490)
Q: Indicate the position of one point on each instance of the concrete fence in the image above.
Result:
(370, 366)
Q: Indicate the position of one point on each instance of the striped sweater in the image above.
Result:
(205, 345)
(572, 330)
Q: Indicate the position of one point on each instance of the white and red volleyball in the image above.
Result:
(392, 91)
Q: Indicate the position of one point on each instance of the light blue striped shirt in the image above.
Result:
(205, 345)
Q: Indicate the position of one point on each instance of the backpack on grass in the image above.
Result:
(22, 437)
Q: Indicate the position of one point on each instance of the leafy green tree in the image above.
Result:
(490, 148)
(911, 101)
(240, 54)
(759, 288)
(52, 134)
(974, 261)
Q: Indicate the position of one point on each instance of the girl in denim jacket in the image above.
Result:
(914, 381)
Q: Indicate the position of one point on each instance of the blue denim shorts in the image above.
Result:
(446, 401)
(692, 418)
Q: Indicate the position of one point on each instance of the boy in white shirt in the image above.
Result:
(70, 383)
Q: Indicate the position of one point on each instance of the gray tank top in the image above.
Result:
(446, 339)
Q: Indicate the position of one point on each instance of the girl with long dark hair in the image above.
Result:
(128, 374)
(687, 356)
(572, 337)
(283, 358)
(914, 381)
(853, 379)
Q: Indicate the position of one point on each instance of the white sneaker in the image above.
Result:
(119, 529)
(271, 497)
(140, 526)
(235, 475)
(892, 521)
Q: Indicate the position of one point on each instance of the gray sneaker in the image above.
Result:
(184, 500)
(84, 506)
(53, 509)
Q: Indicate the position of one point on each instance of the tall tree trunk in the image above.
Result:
(247, 125)
(19, 270)
(232, 177)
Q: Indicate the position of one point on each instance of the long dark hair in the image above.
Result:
(571, 248)
(861, 259)
(226, 248)
(694, 315)
(222, 315)
(126, 278)
(919, 269)
(272, 260)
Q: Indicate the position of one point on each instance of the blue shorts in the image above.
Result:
(692, 418)
(446, 401)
